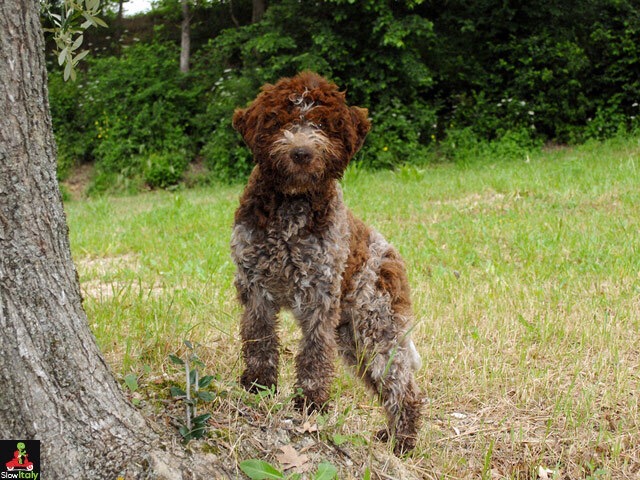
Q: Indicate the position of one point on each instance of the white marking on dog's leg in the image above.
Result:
(416, 361)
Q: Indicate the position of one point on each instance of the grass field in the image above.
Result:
(526, 285)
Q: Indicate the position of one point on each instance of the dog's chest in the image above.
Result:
(289, 257)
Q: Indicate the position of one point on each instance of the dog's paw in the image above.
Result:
(254, 384)
(306, 405)
(403, 444)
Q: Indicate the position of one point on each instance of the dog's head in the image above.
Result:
(301, 132)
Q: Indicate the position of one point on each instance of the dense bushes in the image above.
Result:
(131, 114)
(449, 80)
(555, 67)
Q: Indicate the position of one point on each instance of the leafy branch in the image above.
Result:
(68, 32)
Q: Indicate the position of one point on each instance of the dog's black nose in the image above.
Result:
(301, 155)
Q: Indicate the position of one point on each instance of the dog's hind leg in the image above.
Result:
(374, 338)
(389, 374)
(400, 397)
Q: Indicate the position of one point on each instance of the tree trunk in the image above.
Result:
(259, 7)
(233, 17)
(55, 385)
(185, 44)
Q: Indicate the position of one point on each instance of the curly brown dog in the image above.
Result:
(297, 246)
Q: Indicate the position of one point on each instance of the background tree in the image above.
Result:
(121, 8)
(259, 7)
(56, 386)
(185, 36)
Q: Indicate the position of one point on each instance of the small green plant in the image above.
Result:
(261, 470)
(354, 439)
(486, 467)
(332, 428)
(131, 381)
(195, 425)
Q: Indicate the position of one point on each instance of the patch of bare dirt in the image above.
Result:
(550, 147)
(196, 173)
(100, 266)
(101, 288)
(78, 182)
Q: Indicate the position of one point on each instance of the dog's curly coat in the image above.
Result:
(297, 246)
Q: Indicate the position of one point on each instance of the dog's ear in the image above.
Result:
(245, 121)
(361, 124)
(239, 121)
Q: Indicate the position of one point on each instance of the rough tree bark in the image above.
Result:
(185, 42)
(54, 384)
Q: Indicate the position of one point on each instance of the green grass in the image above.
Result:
(526, 285)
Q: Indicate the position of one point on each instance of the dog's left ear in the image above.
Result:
(239, 120)
(361, 124)
(244, 122)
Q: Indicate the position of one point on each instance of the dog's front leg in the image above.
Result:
(315, 359)
(260, 344)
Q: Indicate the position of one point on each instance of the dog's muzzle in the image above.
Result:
(301, 144)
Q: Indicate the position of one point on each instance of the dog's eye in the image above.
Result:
(272, 121)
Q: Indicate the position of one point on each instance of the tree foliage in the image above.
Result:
(434, 75)
(568, 63)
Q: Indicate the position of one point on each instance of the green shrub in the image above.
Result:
(399, 135)
(163, 170)
(72, 129)
(464, 146)
(567, 65)
(142, 104)
(224, 152)
(128, 108)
